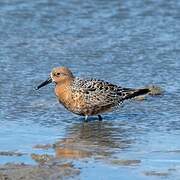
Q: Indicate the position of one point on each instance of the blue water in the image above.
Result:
(129, 43)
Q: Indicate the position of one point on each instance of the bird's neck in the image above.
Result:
(63, 91)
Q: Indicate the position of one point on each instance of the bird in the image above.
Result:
(88, 97)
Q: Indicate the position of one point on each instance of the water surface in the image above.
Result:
(130, 43)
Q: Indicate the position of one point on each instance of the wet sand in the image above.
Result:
(48, 171)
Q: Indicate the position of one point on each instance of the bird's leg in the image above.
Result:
(100, 118)
(86, 118)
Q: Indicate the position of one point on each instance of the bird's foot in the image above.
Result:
(99, 117)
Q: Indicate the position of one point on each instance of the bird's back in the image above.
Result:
(96, 96)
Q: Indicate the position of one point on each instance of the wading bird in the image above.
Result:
(88, 97)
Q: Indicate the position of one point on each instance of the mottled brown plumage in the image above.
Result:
(88, 97)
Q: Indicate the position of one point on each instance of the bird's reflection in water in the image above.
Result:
(98, 139)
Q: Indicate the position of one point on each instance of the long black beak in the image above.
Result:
(49, 80)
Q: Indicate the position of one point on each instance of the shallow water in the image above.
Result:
(130, 43)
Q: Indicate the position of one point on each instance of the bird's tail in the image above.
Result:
(131, 93)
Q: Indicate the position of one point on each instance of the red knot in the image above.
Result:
(88, 97)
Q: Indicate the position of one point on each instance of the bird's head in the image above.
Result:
(59, 75)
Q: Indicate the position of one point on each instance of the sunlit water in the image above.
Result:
(130, 43)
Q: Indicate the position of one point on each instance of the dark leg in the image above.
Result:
(100, 118)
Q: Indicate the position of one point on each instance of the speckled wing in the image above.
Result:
(100, 94)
